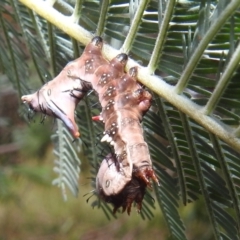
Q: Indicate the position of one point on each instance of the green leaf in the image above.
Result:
(189, 56)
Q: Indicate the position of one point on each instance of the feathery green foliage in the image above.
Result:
(189, 53)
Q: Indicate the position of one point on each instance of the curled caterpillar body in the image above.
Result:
(122, 178)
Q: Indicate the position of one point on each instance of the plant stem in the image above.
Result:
(225, 166)
(174, 148)
(77, 11)
(52, 48)
(153, 82)
(102, 17)
(134, 27)
(188, 107)
(223, 82)
(59, 20)
(210, 34)
(157, 51)
(60, 136)
(200, 174)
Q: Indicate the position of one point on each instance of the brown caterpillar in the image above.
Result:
(123, 102)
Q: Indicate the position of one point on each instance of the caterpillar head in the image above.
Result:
(59, 97)
(113, 187)
(110, 178)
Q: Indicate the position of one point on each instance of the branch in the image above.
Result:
(208, 37)
(153, 82)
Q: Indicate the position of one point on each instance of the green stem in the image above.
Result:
(61, 157)
(157, 51)
(223, 82)
(102, 18)
(197, 164)
(77, 11)
(75, 48)
(52, 48)
(227, 176)
(64, 23)
(92, 132)
(134, 26)
(174, 148)
(210, 34)
(188, 107)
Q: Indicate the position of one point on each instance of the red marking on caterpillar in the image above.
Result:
(124, 102)
(96, 118)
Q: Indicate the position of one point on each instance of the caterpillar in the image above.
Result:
(124, 102)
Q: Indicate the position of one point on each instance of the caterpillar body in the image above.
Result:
(124, 175)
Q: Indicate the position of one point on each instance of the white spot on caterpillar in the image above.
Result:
(112, 143)
(106, 138)
(109, 139)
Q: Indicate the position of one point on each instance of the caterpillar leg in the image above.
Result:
(146, 175)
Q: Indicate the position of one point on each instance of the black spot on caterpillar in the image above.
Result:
(123, 102)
